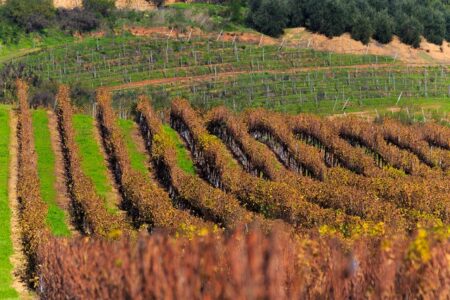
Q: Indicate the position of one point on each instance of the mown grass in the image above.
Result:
(92, 160)
(56, 217)
(184, 161)
(137, 158)
(6, 248)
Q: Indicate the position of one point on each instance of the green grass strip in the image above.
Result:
(92, 160)
(137, 158)
(6, 248)
(184, 161)
(46, 160)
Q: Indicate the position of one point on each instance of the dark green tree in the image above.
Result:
(447, 31)
(329, 17)
(409, 31)
(362, 29)
(434, 26)
(383, 26)
(270, 17)
(296, 13)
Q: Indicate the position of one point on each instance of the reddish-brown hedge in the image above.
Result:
(247, 266)
(273, 199)
(435, 134)
(88, 207)
(258, 157)
(33, 210)
(336, 149)
(213, 203)
(369, 135)
(407, 138)
(271, 127)
(151, 203)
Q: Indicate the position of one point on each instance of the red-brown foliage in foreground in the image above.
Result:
(275, 200)
(33, 210)
(87, 206)
(151, 203)
(246, 266)
(213, 203)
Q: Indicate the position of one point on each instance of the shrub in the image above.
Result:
(31, 15)
(42, 98)
(77, 20)
(234, 10)
(10, 73)
(100, 7)
(44, 95)
(81, 96)
(157, 3)
(9, 33)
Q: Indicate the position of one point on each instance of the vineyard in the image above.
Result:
(212, 71)
(200, 151)
(183, 203)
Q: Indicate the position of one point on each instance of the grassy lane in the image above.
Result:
(56, 218)
(92, 160)
(6, 248)
(183, 159)
(137, 158)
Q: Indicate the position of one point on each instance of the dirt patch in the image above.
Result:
(18, 259)
(426, 54)
(62, 198)
(243, 37)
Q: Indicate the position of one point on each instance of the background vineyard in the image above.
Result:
(212, 71)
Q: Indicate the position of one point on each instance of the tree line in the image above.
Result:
(20, 17)
(363, 19)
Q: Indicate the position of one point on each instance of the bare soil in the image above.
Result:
(427, 53)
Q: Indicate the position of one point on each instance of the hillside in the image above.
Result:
(427, 53)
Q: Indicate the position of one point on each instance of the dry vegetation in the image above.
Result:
(277, 207)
